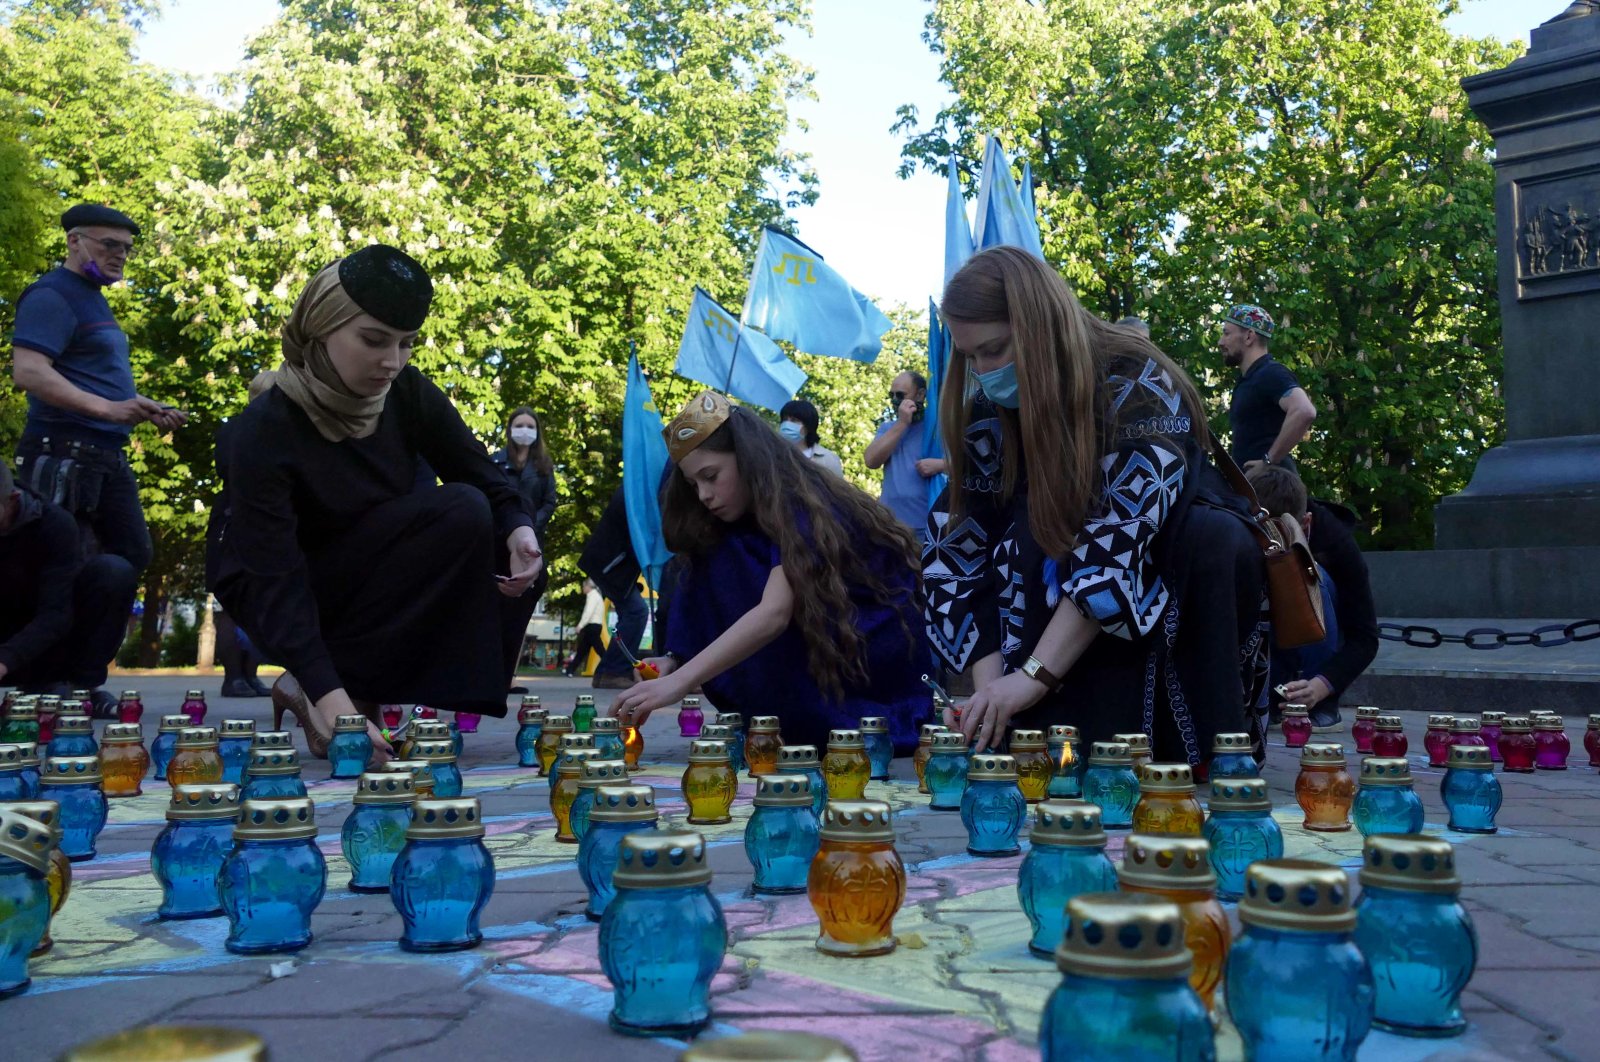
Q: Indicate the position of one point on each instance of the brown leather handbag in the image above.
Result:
(1294, 587)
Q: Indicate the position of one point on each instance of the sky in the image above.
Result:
(884, 234)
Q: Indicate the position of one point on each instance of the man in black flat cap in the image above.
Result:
(71, 358)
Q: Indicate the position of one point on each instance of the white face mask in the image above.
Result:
(524, 436)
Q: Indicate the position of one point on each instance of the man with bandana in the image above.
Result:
(1270, 412)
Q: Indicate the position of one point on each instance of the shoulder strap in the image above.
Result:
(1261, 525)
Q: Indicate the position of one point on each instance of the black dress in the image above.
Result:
(351, 569)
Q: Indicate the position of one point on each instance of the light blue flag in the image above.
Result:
(644, 458)
(1003, 215)
(957, 232)
(1027, 193)
(938, 359)
(796, 297)
(720, 353)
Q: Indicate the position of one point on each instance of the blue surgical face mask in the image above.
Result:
(794, 431)
(1000, 385)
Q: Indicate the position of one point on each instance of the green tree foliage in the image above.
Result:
(1315, 156)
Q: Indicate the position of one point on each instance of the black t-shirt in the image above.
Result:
(1254, 414)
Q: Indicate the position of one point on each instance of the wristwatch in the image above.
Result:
(1039, 673)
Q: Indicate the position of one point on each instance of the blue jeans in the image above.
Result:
(632, 614)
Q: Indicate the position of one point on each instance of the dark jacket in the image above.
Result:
(1334, 547)
(608, 556)
(39, 558)
(538, 490)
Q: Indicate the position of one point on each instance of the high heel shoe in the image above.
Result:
(287, 696)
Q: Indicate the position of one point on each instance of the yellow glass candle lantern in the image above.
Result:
(1034, 766)
(762, 743)
(1167, 804)
(857, 881)
(709, 783)
(919, 758)
(196, 760)
(1179, 869)
(424, 730)
(565, 790)
(845, 765)
(1325, 789)
(549, 742)
(58, 874)
(123, 759)
(1138, 747)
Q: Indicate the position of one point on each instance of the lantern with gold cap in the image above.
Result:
(924, 749)
(12, 785)
(690, 717)
(1470, 790)
(234, 740)
(1389, 740)
(1179, 869)
(421, 774)
(24, 895)
(564, 790)
(1324, 788)
(273, 878)
(768, 1046)
(632, 746)
(58, 873)
(1591, 740)
(73, 736)
(22, 722)
(1411, 927)
(1550, 742)
(1034, 768)
(1489, 726)
(548, 744)
(440, 756)
(732, 731)
(1298, 919)
(761, 744)
(1110, 783)
(375, 830)
(662, 936)
(350, 749)
(123, 759)
(1124, 989)
(130, 708)
(1233, 756)
(1386, 801)
(530, 724)
(1517, 747)
(29, 758)
(946, 770)
(426, 730)
(1067, 762)
(443, 877)
(1240, 830)
(1364, 729)
(708, 782)
(1138, 747)
(802, 759)
(1167, 803)
(992, 808)
(74, 783)
(880, 747)
(165, 745)
(781, 838)
(1066, 857)
(1436, 740)
(195, 760)
(189, 851)
(273, 774)
(194, 706)
(592, 774)
(607, 734)
(1296, 725)
(583, 713)
(857, 882)
(618, 811)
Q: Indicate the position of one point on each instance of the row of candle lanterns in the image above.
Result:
(1522, 743)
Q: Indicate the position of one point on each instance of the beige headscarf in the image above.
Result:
(307, 376)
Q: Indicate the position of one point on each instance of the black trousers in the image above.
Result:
(588, 638)
(102, 598)
(116, 520)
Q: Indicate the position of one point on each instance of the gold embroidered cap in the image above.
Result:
(705, 413)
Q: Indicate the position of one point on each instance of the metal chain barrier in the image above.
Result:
(1547, 637)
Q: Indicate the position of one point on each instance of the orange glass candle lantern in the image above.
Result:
(565, 790)
(1325, 788)
(709, 783)
(196, 760)
(549, 742)
(1034, 766)
(123, 759)
(58, 875)
(1167, 804)
(761, 745)
(845, 765)
(1138, 748)
(1179, 869)
(857, 881)
(632, 747)
(919, 758)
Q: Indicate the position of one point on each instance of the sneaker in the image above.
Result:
(239, 688)
(1326, 717)
(613, 680)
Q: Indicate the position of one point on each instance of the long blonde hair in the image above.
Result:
(1063, 354)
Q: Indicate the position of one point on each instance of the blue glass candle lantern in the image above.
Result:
(1066, 752)
(351, 748)
(166, 743)
(1297, 985)
(1066, 857)
(880, 748)
(734, 739)
(1232, 756)
(28, 757)
(1240, 829)
(1413, 930)
(946, 771)
(443, 877)
(25, 845)
(993, 807)
(1386, 801)
(594, 772)
(618, 811)
(607, 733)
(567, 743)
(273, 878)
(1124, 991)
(273, 774)
(58, 869)
(782, 835)
(74, 783)
(188, 853)
(802, 759)
(1139, 748)
(12, 785)
(1110, 783)
(440, 756)
(233, 745)
(1470, 789)
(74, 736)
(530, 724)
(662, 937)
(735, 722)
(375, 830)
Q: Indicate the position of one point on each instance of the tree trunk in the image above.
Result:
(150, 623)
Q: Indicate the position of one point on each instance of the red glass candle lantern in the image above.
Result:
(1389, 740)
(1296, 725)
(392, 714)
(1517, 744)
(1490, 729)
(130, 707)
(1364, 729)
(1465, 731)
(1437, 739)
(1550, 744)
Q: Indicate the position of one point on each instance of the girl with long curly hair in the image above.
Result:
(798, 594)
(1086, 564)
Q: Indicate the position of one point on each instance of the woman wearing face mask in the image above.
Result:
(527, 463)
(798, 593)
(1086, 563)
(367, 586)
(797, 422)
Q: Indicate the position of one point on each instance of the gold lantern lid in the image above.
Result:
(569, 742)
(421, 773)
(385, 787)
(128, 695)
(606, 724)
(706, 750)
(294, 818)
(1063, 732)
(733, 719)
(530, 700)
(70, 770)
(1166, 778)
(1296, 710)
(273, 763)
(272, 739)
(435, 819)
(45, 812)
(1495, 718)
(430, 730)
(594, 772)
(949, 741)
(926, 732)
(10, 757)
(716, 732)
(1160, 861)
(209, 801)
(798, 756)
(1381, 770)
(1548, 723)
(1440, 722)
(783, 791)
(1411, 862)
(689, 702)
(1119, 934)
(438, 750)
(532, 715)
(624, 803)
(349, 724)
(1067, 823)
(992, 767)
(661, 859)
(857, 820)
(122, 734)
(1390, 722)
(76, 725)
(1322, 754)
(558, 724)
(1297, 894)
(1516, 724)
(50, 704)
(1368, 712)
(237, 729)
(1027, 741)
(1229, 744)
(173, 1043)
(585, 698)
(769, 1047)
(1110, 754)
(763, 724)
(26, 710)
(25, 839)
(570, 765)
(845, 739)
(190, 695)
(1138, 743)
(1239, 794)
(1465, 724)
(198, 737)
(1469, 758)
(1594, 721)
(874, 724)
(30, 753)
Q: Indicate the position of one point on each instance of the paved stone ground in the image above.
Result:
(961, 986)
